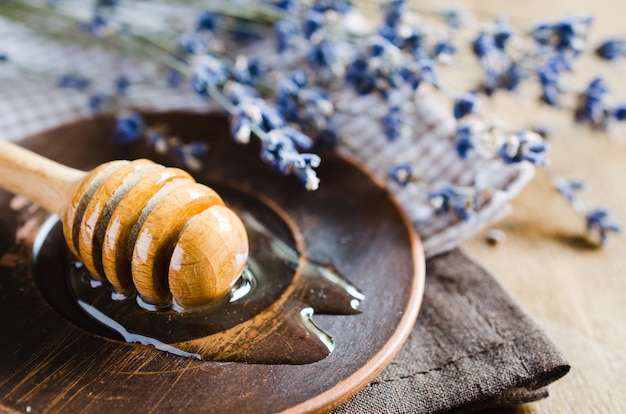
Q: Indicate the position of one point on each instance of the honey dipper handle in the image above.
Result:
(41, 180)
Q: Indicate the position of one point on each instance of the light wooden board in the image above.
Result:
(577, 294)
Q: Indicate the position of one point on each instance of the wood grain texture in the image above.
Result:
(124, 225)
(576, 292)
(160, 234)
(218, 237)
(45, 182)
(52, 365)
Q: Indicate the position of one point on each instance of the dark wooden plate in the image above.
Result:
(49, 364)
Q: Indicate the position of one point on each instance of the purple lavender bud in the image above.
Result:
(297, 137)
(97, 101)
(549, 82)
(288, 5)
(238, 93)
(524, 146)
(619, 112)
(313, 21)
(360, 77)
(191, 43)
(322, 55)
(340, 6)
(245, 71)
(591, 107)
(444, 47)
(395, 9)
(512, 77)
(129, 128)
(208, 73)
(401, 174)
(457, 201)
(612, 49)
(393, 123)
(73, 81)
(483, 45)
(598, 220)
(286, 31)
(206, 22)
(197, 148)
(272, 119)
(568, 189)
(464, 105)
(121, 84)
(464, 140)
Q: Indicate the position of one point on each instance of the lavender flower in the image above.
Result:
(612, 49)
(401, 174)
(246, 115)
(569, 188)
(549, 81)
(464, 105)
(458, 202)
(97, 101)
(313, 21)
(322, 55)
(382, 69)
(444, 51)
(502, 33)
(465, 139)
(279, 151)
(207, 22)
(591, 108)
(286, 32)
(568, 34)
(121, 84)
(599, 222)
(3, 57)
(74, 82)
(246, 71)
(619, 112)
(484, 45)
(524, 146)
(129, 128)
(394, 124)
(191, 153)
(99, 25)
(208, 72)
(192, 43)
(339, 6)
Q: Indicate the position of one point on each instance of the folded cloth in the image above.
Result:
(472, 348)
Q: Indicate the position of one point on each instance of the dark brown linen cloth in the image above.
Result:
(472, 348)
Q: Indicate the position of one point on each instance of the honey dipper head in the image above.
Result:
(213, 243)
(141, 226)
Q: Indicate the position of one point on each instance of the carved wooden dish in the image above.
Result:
(55, 358)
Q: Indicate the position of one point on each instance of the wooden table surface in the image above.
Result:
(577, 293)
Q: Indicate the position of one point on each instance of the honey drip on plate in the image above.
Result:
(266, 317)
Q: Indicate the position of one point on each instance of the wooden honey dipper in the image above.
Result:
(136, 224)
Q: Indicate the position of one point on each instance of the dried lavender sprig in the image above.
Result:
(598, 220)
(277, 147)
